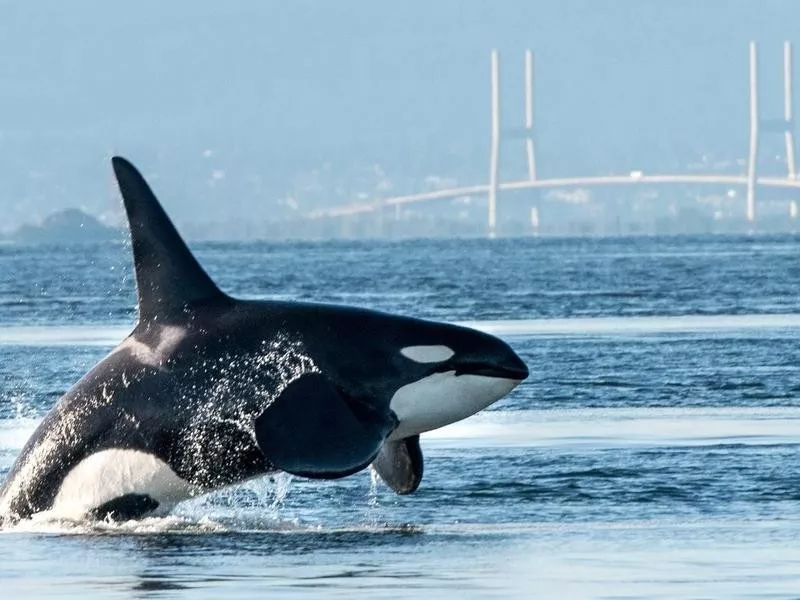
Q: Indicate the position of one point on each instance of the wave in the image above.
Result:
(14, 433)
(188, 525)
(110, 335)
(63, 335)
(636, 325)
(621, 427)
(571, 428)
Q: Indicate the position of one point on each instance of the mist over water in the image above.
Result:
(241, 111)
(650, 454)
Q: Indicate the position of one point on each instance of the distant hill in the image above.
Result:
(66, 226)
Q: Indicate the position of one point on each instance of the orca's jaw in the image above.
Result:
(443, 398)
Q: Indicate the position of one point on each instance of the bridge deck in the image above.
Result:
(732, 180)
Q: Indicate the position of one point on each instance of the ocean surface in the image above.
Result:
(654, 452)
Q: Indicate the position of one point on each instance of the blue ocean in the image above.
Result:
(652, 453)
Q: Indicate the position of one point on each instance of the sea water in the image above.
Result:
(652, 453)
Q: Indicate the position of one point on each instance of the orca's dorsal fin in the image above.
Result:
(169, 280)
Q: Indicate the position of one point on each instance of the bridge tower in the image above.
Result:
(784, 125)
(526, 132)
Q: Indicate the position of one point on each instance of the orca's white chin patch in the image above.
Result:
(444, 398)
(110, 474)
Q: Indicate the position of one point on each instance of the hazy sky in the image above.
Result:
(281, 82)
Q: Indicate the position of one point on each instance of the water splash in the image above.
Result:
(239, 388)
(374, 481)
(373, 513)
(256, 504)
(234, 390)
(283, 481)
(20, 406)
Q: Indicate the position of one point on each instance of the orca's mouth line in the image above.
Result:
(495, 371)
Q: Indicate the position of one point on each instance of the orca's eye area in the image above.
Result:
(428, 354)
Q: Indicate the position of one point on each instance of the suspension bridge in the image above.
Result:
(751, 179)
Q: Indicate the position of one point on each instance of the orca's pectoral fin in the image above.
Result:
(313, 430)
(399, 464)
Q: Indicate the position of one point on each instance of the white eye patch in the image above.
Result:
(427, 354)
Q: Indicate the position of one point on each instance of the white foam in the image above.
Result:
(48, 522)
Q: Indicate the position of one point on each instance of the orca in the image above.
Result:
(209, 391)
